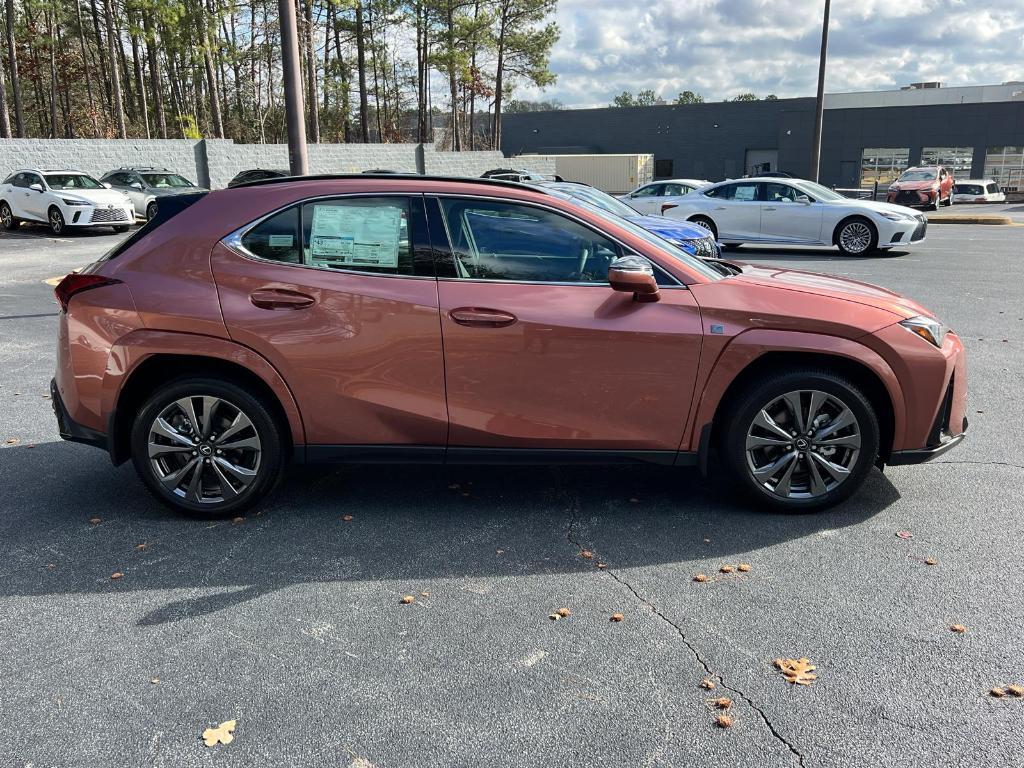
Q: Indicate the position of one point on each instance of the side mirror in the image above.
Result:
(107, 184)
(634, 274)
(136, 185)
(37, 187)
(804, 199)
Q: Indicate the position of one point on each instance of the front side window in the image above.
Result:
(651, 190)
(780, 193)
(166, 181)
(518, 243)
(71, 181)
(20, 180)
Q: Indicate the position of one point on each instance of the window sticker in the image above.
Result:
(355, 236)
(281, 241)
(745, 193)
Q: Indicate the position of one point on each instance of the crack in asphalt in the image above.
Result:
(984, 463)
(574, 508)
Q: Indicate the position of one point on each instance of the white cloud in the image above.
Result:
(724, 47)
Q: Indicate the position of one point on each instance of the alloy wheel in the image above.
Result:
(56, 221)
(204, 449)
(803, 444)
(855, 237)
(6, 217)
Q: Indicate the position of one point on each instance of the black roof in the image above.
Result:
(389, 176)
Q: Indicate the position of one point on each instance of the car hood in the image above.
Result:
(831, 286)
(880, 207)
(95, 196)
(912, 185)
(670, 229)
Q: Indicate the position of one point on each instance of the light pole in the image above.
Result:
(295, 111)
(819, 107)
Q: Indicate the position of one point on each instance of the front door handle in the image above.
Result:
(486, 318)
(279, 298)
(768, 208)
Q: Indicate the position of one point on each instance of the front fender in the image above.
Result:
(750, 345)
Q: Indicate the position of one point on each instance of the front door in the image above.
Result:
(340, 297)
(647, 200)
(34, 200)
(540, 352)
(785, 219)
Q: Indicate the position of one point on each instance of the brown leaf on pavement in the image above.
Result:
(564, 612)
(617, 617)
(958, 628)
(238, 519)
(116, 576)
(408, 599)
(997, 692)
(723, 702)
(929, 561)
(700, 577)
(708, 684)
(586, 554)
(724, 721)
(904, 535)
(95, 520)
(222, 734)
(743, 567)
(347, 518)
(1015, 691)
(11, 440)
(797, 671)
(726, 569)
(602, 566)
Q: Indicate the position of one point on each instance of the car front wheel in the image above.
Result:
(856, 237)
(801, 441)
(150, 211)
(206, 447)
(7, 217)
(56, 220)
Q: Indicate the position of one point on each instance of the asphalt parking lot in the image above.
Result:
(290, 622)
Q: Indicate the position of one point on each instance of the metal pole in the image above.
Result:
(819, 107)
(295, 111)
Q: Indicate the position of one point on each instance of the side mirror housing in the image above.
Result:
(136, 185)
(37, 187)
(634, 274)
(106, 184)
(803, 199)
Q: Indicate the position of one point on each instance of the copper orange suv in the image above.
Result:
(416, 319)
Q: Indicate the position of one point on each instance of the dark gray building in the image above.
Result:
(867, 137)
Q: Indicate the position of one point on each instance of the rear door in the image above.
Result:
(540, 352)
(339, 294)
(736, 211)
(784, 219)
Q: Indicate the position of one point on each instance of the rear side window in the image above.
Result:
(276, 238)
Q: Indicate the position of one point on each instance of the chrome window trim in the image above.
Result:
(233, 240)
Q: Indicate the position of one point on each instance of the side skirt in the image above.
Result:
(428, 454)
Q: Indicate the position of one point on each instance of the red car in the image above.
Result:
(922, 187)
(414, 319)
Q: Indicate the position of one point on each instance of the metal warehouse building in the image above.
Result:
(867, 137)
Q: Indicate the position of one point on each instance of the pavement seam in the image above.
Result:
(574, 508)
(984, 463)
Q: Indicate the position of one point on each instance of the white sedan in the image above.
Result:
(647, 198)
(796, 212)
(62, 199)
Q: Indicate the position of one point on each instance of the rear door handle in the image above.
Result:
(768, 208)
(479, 317)
(279, 298)
(720, 208)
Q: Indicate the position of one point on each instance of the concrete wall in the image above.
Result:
(214, 162)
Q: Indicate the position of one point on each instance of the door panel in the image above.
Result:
(737, 220)
(791, 222)
(579, 366)
(361, 353)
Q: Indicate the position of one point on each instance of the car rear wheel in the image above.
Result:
(801, 441)
(708, 224)
(206, 447)
(856, 236)
(150, 211)
(56, 220)
(7, 217)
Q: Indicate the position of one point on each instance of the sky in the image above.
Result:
(720, 48)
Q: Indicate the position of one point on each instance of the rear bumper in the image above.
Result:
(70, 429)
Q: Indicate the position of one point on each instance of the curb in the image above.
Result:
(990, 219)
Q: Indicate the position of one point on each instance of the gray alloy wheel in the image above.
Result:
(150, 211)
(856, 237)
(803, 444)
(7, 217)
(705, 223)
(56, 219)
(204, 449)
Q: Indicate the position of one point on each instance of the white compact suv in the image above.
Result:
(62, 199)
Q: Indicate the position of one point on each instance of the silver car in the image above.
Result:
(145, 187)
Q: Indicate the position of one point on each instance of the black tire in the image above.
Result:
(708, 224)
(848, 224)
(56, 220)
(121, 229)
(7, 219)
(150, 211)
(762, 394)
(267, 462)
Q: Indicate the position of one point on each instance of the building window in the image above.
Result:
(882, 164)
(662, 169)
(956, 159)
(1005, 166)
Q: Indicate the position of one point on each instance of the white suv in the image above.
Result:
(62, 199)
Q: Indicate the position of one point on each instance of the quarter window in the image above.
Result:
(505, 241)
(276, 238)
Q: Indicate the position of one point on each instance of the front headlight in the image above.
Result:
(73, 201)
(893, 216)
(928, 328)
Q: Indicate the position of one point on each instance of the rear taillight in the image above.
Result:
(667, 207)
(75, 283)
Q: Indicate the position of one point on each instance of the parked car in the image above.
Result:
(796, 212)
(145, 186)
(978, 191)
(693, 239)
(922, 187)
(258, 174)
(62, 199)
(647, 198)
(423, 319)
(511, 174)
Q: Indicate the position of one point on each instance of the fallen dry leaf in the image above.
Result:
(564, 612)
(586, 554)
(904, 535)
(726, 569)
(708, 684)
(347, 518)
(424, 593)
(723, 703)
(743, 567)
(602, 566)
(154, 680)
(142, 547)
(707, 541)
(116, 576)
(238, 519)
(617, 617)
(997, 692)
(95, 520)
(11, 440)
(700, 577)
(724, 721)
(554, 616)
(408, 599)
(797, 671)
(222, 734)
(959, 628)
(1015, 691)
(929, 561)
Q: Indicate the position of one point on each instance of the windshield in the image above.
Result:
(166, 180)
(697, 265)
(819, 192)
(917, 176)
(596, 197)
(71, 181)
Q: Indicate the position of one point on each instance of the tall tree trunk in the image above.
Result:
(453, 83)
(499, 78)
(155, 80)
(115, 75)
(93, 115)
(346, 101)
(211, 79)
(364, 125)
(312, 100)
(139, 81)
(101, 49)
(51, 27)
(5, 117)
(12, 60)
(177, 103)
(127, 96)
(422, 70)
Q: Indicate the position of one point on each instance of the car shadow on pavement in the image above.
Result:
(795, 254)
(73, 521)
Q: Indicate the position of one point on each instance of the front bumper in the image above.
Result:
(900, 233)
(921, 455)
(99, 216)
(913, 198)
(69, 429)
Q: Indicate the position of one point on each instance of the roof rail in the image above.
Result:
(389, 177)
